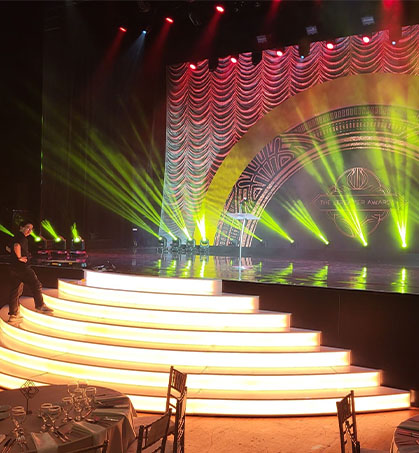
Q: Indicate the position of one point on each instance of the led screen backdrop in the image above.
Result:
(325, 149)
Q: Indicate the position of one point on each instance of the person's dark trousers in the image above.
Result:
(23, 274)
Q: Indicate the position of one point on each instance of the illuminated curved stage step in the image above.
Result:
(256, 320)
(94, 332)
(133, 282)
(223, 302)
(148, 388)
(201, 379)
(46, 345)
(234, 402)
(239, 361)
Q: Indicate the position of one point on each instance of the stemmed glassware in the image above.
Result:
(54, 412)
(83, 384)
(78, 402)
(90, 397)
(71, 388)
(66, 404)
(44, 412)
(18, 417)
(18, 414)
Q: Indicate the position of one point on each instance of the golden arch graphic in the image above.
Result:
(365, 89)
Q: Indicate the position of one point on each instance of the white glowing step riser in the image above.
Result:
(252, 408)
(15, 338)
(279, 383)
(162, 301)
(199, 382)
(13, 382)
(288, 407)
(167, 319)
(86, 330)
(152, 284)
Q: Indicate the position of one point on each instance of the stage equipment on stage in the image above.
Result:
(190, 246)
(204, 246)
(40, 243)
(57, 249)
(242, 216)
(175, 245)
(59, 243)
(78, 244)
(162, 246)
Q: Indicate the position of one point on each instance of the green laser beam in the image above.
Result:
(3, 229)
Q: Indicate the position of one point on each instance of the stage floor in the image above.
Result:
(396, 278)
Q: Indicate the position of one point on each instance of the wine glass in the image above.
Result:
(18, 417)
(83, 384)
(78, 402)
(54, 412)
(71, 387)
(66, 404)
(90, 396)
(44, 412)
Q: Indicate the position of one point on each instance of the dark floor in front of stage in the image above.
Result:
(398, 278)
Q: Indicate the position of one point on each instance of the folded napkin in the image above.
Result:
(44, 443)
(96, 431)
(114, 399)
(112, 411)
(105, 396)
(410, 425)
(115, 412)
(111, 405)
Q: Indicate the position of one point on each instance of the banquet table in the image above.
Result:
(406, 437)
(112, 419)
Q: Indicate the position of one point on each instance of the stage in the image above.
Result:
(368, 312)
(367, 306)
(371, 309)
(402, 278)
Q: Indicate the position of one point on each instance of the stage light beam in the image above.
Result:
(267, 220)
(6, 231)
(298, 210)
(46, 224)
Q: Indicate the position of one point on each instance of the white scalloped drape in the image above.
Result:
(208, 112)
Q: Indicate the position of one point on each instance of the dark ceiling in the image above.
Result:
(283, 22)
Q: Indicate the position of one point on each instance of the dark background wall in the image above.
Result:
(20, 108)
(379, 328)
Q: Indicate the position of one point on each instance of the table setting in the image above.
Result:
(406, 437)
(64, 418)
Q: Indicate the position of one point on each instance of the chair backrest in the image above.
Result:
(100, 448)
(180, 419)
(154, 433)
(177, 384)
(347, 424)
